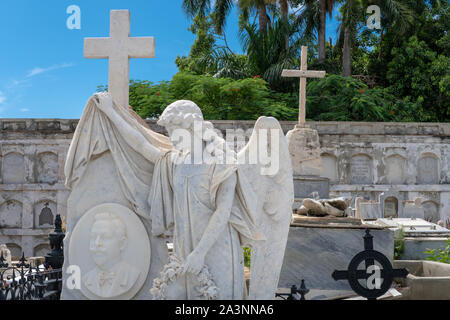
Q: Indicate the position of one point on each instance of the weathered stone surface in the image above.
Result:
(304, 148)
(307, 186)
(361, 169)
(419, 236)
(338, 140)
(370, 210)
(313, 253)
(315, 208)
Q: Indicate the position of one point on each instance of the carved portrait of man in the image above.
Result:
(112, 276)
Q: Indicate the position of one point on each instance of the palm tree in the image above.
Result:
(313, 16)
(394, 14)
(326, 6)
(266, 52)
(221, 9)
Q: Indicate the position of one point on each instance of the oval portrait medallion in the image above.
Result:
(112, 249)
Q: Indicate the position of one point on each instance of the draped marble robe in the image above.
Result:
(183, 197)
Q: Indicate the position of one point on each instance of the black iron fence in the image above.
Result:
(22, 281)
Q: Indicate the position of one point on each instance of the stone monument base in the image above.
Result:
(318, 246)
(304, 186)
(304, 148)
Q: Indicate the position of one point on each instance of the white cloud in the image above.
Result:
(24, 110)
(38, 70)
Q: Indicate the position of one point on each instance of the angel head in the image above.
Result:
(180, 114)
(184, 122)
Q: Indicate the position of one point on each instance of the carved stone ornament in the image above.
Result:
(112, 249)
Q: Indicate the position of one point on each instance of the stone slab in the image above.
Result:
(313, 253)
(370, 211)
(304, 186)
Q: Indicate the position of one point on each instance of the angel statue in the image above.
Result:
(212, 200)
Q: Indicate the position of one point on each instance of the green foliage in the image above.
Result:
(267, 53)
(219, 98)
(440, 255)
(247, 257)
(333, 98)
(148, 99)
(399, 244)
(208, 58)
(406, 64)
(421, 75)
(337, 98)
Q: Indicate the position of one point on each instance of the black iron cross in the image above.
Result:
(369, 256)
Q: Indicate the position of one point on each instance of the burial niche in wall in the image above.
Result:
(41, 250)
(16, 250)
(428, 170)
(395, 169)
(47, 168)
(390, 207)
(329, 167)
(13, 168)
(361, 169)
(11, 214)
(45, 213)
(431, 211)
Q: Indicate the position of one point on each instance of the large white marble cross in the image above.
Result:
(119, 48)
(303, 73)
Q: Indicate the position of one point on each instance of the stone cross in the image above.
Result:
(303, 73)
(119, 48)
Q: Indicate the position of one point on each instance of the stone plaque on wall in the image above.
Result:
(427, 170)
(431, 211)
(390, 208)
(329, 167)
(47, 168)
(395, 168)
(13, 168)
(11, 214)
(361, 170)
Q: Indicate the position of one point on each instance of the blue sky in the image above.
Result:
(43, 73)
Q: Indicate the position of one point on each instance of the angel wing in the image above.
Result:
(272, 182)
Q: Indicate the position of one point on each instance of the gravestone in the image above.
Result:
(391, 204)
(370, 210)
(13, 168)
(395, 169)
(47, 168)
(390, 208)
(11, 214)
(431, 211)
(329, 167)
(419, 236)
(109, 233)
(317, 246)
(427, 170)
(361, 169)
(413, 209)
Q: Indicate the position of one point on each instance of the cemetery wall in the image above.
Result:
(360, 159)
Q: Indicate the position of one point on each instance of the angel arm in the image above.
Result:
(216, 224)
(133, 136)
